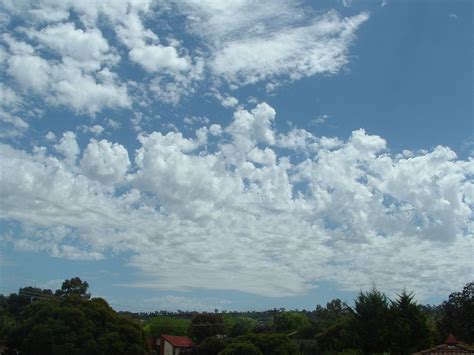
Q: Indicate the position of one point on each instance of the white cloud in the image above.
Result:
(152, 57)
(252, 41)
(31, 72)
(226, 100)
(105, 161)
(11, 110)
(156, 58)
(50, 136)
(88, 49)
(320, 119)
(113, 123)
(68, 147)
(345, 211)
(64, 54)
(96, 129)
(65, 83)
(294, 52)
(347, 3)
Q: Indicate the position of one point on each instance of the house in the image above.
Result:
(450, 347)
(174, 345)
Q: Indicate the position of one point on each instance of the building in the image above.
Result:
(174, 345)
(450, 347)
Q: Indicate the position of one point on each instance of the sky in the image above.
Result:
(237, 155)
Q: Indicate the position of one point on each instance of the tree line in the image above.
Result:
(69, 321)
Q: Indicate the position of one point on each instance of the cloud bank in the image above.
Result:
(245, 207)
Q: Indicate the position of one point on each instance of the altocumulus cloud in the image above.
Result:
(243, 209)
(57, 51)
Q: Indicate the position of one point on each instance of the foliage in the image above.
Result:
(370, 321)
(70, 322)
(334, 327)
(69, 325)
(166, 325)
(408, 326)
(206, 325)
(241, 348)
(337, 337)
(211, 346)
(458, 314)
(237, 326)
(287, 322)
(272, 343)
(74, 287)
(334, 311)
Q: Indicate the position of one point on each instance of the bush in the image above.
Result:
(241, 348)
(211, 346)
(272, 343)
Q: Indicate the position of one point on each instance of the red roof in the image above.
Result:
(178, 341)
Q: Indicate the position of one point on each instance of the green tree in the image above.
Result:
(458, 314)
(72, 325)
(337, 337)
(241, 348)
(206, 325)
(333, 325)
(370, 321)
(287, 322)
(210, 346)
(271, 343)
(409, 330)
(237, 326)
(331, 314)
(74, 287)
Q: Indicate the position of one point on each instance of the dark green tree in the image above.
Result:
(211, 346)
(237, 326)
(288, 322)
(206, 325)
(333, 325)
(458, 314)
(331, 314)
(409, 330)
(272, 343)
(72, 325)
(370, 321)
(241, 348)
(74, 287)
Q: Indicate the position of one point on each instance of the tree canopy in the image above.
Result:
(68, 325)
(206, 325)
(458, 314)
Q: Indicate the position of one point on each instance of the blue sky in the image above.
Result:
(235, 155)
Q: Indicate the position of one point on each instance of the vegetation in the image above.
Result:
(36, 321)
(69, 321)
(166, 325)
(206, 325)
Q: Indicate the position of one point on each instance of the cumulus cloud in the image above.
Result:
(88, 49)
(66, 82)
(260, 203)
(153, 57)
(68, 147)
(96, 129)
(105, 161)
